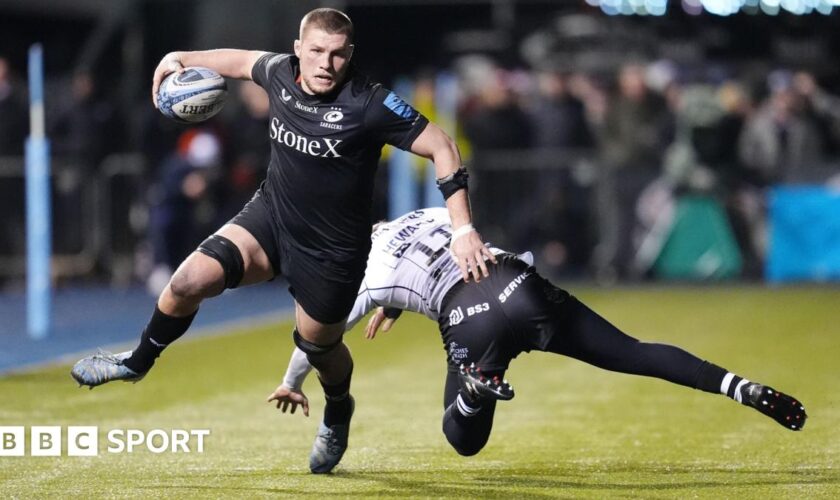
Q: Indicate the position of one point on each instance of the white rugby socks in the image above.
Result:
(731, 386)
(464, 408)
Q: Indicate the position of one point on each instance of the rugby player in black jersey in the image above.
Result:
(310, 220)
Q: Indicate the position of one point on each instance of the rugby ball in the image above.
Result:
(192, 96)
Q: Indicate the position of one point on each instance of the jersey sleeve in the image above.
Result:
(364, 303)
(265, 67)
(393, 120)
(297, 371)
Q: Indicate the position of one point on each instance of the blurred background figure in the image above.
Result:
(14, 126)
(183, 207)
(782, 139)
(823, 107)
(85, 128)
(494, 121)
(14, 117)
(561, 132)
(249, 148)
(637, 128)
(558, 116)
(780, 142)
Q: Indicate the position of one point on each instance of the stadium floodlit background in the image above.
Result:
(675, 163)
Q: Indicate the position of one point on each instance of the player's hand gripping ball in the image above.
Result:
(193, 95)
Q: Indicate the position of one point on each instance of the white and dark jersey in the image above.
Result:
(409, 266)
(324, 154)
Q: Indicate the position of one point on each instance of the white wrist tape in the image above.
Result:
(461, 231)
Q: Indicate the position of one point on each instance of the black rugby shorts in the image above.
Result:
(326, 289)
(490, 322)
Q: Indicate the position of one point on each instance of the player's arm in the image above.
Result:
(362, 306)
(467, 248)
(230, 63)
(383, 317)
(289, 392)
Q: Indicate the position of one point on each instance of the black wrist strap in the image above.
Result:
(453, 182)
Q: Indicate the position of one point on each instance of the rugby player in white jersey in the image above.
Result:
(486, 324)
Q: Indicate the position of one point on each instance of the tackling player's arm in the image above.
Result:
(230, 63)
(383, 317)
(289, 393)
(467, 248)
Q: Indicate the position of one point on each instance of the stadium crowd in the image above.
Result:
(589, 150)
(655, 132)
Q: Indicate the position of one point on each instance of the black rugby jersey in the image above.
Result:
(324, 154)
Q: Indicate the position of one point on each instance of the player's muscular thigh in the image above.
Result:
(256, 263)
(316, 332)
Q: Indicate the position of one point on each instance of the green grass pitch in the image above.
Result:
(573, 431)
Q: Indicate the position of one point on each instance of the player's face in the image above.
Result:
(324, 58)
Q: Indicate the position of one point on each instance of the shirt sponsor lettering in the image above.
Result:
(304, 107)
(321, 148)
(458, 353)
(478, 309)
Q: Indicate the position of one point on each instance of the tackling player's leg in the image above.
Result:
(229, 258)
(582, 334)
(468, 414)
(476, 386)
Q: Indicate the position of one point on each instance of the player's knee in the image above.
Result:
(190, 283)
(466, 448)
(466, 440)
(227, 254)
(467, 452)
(315, 351)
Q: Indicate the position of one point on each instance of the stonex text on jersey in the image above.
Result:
(323, 148)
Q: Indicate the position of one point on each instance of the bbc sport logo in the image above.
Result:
(83, 441)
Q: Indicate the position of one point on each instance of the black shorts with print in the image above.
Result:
(490, 322)
(325, 289)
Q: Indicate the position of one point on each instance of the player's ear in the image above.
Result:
(297, 48)
(350, 51)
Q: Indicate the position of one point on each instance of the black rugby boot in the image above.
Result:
(476, 388)
(784, 409)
